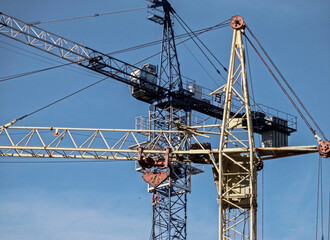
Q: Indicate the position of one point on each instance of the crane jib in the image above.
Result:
(149, 92)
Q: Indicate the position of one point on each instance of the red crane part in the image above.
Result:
(237, 22)
(155, 179)
(155, 197)
(148, 162)
(324, 149)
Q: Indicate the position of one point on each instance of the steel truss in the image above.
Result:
(71, 51)
(89, 143)
(170, 212)
(120, 144)
(236, 176)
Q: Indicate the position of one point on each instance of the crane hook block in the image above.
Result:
(324, 149)
(237, 22)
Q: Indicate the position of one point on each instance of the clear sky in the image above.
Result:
(109, 200)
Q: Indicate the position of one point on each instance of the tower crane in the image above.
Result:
(167, 152)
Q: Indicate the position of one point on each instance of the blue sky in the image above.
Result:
(109, 200)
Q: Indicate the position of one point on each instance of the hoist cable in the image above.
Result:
(329, 218)
(199, 47)
(7, 78)
(26, 55)
(61, 99)
(288, 86)
(282, 88)
(200, 64)
(197, 32)
(226, 21)
(262, 204)
(250, 74)
(73, 68)
(87, 16)
(253, 100)
(183, 41)
(319, 199)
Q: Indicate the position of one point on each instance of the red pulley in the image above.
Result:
(56, 133)
(237, 22)
(324, 149)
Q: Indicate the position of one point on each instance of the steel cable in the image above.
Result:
(329, 218)
(282, 87)
(200, 64)
(7, 78)
(319, 199)
(226, 21)
(87, 16)
(197, 32)
(71, 68)
(184, 25)
(183, 41)
(262, 204)
(288, 86)
(61, 99)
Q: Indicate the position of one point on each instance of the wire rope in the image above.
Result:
(282, 87)
(197, 32)
(226, 21)
(7, 78)
(250, 74)
(329, 218)
(11, 50)
(289, 87)
(87, 16)
(61, 99)
(184, 26)
(72, 68)
(319, 204)
(262, 203)
(200, 64)
(156, 54)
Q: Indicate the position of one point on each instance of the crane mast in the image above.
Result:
(167, 150)
(236, 177)
(170, 206)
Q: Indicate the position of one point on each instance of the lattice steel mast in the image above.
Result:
(170, 209)
(236, 177)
